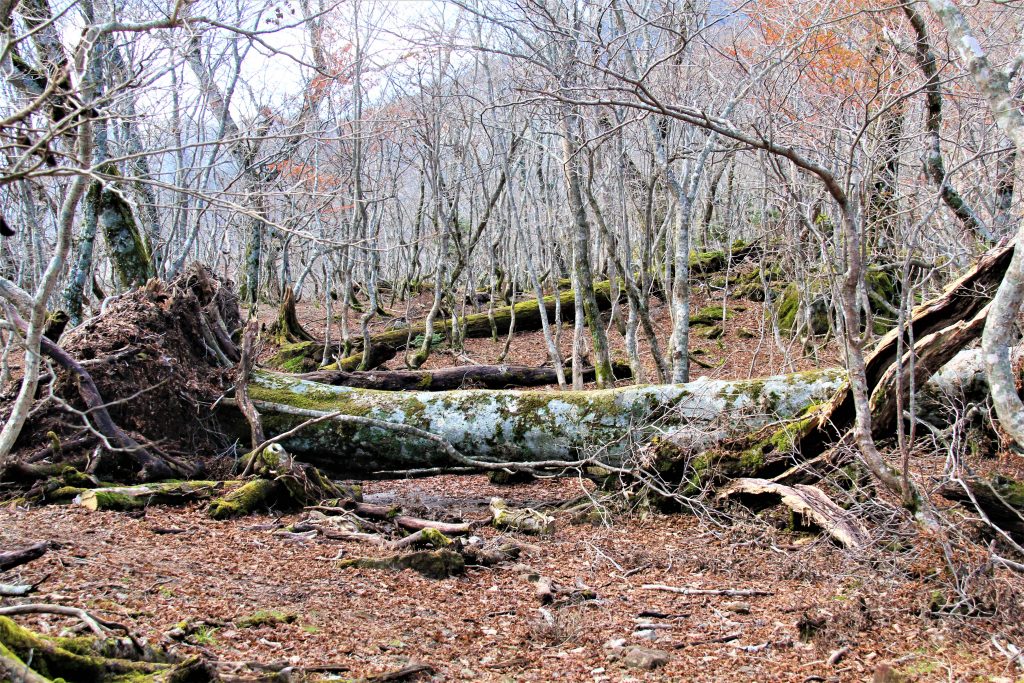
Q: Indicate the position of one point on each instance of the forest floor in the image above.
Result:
(827, 615)
(171, 565)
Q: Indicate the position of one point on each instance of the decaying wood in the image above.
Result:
(463, 377)
(407, 522)
(929, 355)
(143, 495)
(1000, 499)
(527, 318)
(252, 416)
(525, 520)
(13, 558)
(428, 536)
(287, 328)
(809, 502)
(726, 592)
(435, 564)
(961, 301)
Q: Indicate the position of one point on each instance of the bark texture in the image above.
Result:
(518, 426)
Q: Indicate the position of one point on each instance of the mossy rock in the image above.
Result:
(435, 564)
(704, 262)
(882, 294)
(744, 333)
(712, 332)
(709, 316)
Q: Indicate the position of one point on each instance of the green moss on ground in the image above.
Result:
(265, 617)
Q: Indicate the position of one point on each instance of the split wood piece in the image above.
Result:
(404, 521)
(961, 301)
(144, 495)
(468, 376)
(809, 502)
(525, 520)
(153, 467)
(436, 564)
(13, 558)
(727, 592)
(930, 354)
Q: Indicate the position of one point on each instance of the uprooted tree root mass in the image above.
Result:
(159, 356)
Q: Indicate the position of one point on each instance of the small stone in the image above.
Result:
(646, 633)
(615, 644)
(739, 607)
(647, 658)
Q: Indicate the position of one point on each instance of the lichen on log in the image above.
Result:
(520, 426)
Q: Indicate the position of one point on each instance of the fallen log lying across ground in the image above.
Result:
(304, 355)
(377, 431)
(462, 377)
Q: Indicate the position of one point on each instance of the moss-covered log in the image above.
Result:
(519, 426)
(476, 325)
(466, 376)
(162, 493)
(435, 564)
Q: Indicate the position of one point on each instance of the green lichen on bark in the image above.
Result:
(129, 252)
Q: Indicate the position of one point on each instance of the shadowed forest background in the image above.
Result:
(473, 340)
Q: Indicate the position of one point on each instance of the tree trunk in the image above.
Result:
(516, 426)
(463, 377)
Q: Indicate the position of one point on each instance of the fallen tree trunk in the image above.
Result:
(809, 502)
(515, 426)
(942, 327)
(464, 377)
(13, 558)
(476, 325)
